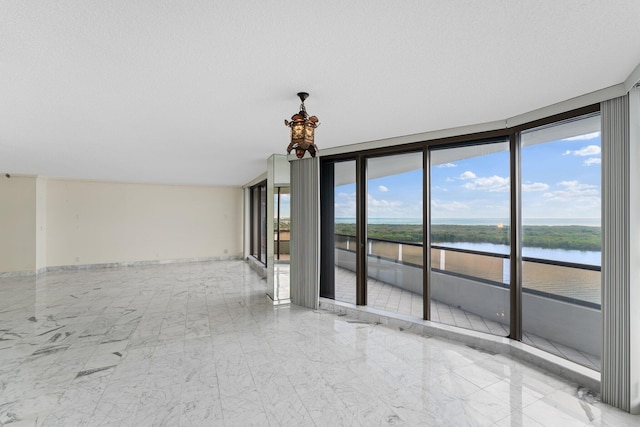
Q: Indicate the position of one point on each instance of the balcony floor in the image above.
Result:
(394, 299)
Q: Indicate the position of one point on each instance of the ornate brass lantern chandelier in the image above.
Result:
(302, 129)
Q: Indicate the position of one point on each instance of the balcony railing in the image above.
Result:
(570, 282)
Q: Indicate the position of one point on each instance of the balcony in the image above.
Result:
(470, 289)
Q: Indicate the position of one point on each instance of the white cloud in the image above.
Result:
(583, 137)
(449, 207)
(592, 161)
(535, 186)
(382, 188)
(575, 184)
(468, 175)
(447, 165)
(381, 203)
(491, 184)
(590, 150)
(384, 208)
(345, 205)
(574, 192)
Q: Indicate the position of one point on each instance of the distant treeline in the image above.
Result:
(570, 237)
(284, 225)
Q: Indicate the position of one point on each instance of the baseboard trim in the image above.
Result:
(60, 268)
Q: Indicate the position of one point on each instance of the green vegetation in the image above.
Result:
(571, 237)
(284, 224)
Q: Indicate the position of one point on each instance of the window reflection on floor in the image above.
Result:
(397, 300)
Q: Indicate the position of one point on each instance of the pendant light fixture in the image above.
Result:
(302, 130)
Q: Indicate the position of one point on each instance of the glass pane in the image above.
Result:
(394, 227)
(281, 226)
(561, 239)
(263, 223)
(255, 222)
(345, 229)
(470, 237)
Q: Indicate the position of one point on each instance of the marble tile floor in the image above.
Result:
(396, 300)
(201, 345)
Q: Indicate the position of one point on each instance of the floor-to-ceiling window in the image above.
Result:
(344, 202)
(394, 233)
(282, 223)
(561, 238)
(513, 228)
(470, 236)
(258, 221)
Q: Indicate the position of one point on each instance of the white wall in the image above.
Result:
(17, 224)
(98, 222)
(56, 222)
(41, 223)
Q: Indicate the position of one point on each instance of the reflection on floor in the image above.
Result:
(202, 345)
(396, 300)
(281, 283)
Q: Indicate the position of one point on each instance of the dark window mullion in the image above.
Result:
(515, 262)
(426, 234)
(361, 230)
(278, 227)
(327, 230)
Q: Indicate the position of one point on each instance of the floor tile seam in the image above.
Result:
(537, 417)
(533, 397)
(292, 387)
(595, 363)
(93, 413)
(551, 347)
(146, 389)
(482, 319)
(348, 406)
(74, 390)
(576, 356)
(128, 349)
(42, 367)
(483, 387)
(473, 410)
(568, 349)
(307, 408)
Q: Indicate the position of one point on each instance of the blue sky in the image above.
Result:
(285, 205)
(560, 179)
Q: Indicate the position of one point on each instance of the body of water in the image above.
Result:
(588, 222)
(579, 257)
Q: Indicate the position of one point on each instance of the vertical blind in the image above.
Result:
(615, 372)
(305, 232)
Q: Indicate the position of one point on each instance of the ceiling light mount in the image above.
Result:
(302, 130)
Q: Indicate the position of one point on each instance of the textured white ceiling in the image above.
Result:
(195, 92)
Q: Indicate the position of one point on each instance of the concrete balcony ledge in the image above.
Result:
(548, 362)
